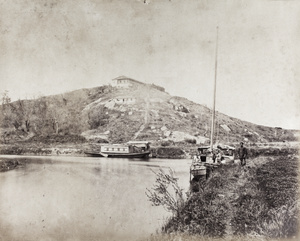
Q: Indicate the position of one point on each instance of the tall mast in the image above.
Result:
(214, 100)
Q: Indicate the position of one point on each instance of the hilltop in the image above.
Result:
(126, 110)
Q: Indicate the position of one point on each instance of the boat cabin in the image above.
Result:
(116, 148)
(204, 152)
(221, 153)
(143, 145)
(129, 147)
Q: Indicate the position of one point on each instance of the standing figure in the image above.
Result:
(243, 154)
(219, 156)
(214, 155)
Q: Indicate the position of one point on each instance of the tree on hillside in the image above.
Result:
(62, 117)
(53, 117)
(39, 114)
(5, 112)
(5, 98)
(16, 116)
(73, 123)
(5, 101)
(97, 117)
(23, 113)
(15, 113)
(10, 114)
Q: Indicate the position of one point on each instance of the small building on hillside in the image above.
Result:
(125, 82)
(124, 100)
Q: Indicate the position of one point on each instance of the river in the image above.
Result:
(82, 198)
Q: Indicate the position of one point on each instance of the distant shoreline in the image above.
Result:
(77, 151)
(162, 152)
(8, 164)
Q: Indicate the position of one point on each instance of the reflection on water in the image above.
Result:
(80, 198)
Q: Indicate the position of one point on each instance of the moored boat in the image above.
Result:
(209, 157)
(132, 149)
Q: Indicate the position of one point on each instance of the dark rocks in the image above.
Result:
(6, 164)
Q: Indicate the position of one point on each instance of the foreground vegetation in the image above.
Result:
(255, 202)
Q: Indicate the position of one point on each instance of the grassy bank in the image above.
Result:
(255, 202)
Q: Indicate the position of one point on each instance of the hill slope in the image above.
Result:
(143, 112)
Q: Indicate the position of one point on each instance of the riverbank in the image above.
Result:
(257, 202)
(79, 149)
(169, 152)
(41, 149)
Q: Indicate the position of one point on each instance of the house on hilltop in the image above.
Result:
(125, 82)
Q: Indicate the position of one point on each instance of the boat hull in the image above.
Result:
(119, 155)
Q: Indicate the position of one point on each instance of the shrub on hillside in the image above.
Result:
(167, 143)
(100, 140)
(143, 136)
(97, 117)
(191, 141)
(169, 152)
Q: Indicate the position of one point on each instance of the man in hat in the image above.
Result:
(243, 154)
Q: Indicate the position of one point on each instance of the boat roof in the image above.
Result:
(108, 144)
(225, 147)
(130, 143)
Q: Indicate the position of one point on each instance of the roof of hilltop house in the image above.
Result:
(125, 77)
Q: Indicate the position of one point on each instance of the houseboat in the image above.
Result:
(131, 149)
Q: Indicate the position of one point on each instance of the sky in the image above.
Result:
(53, 46)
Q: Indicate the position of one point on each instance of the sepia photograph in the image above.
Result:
(149, 120)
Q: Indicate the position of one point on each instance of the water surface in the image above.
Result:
(82, 198)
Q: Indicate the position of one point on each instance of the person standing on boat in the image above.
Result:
(243, 154)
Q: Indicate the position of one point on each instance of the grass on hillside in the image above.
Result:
(83, 110)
